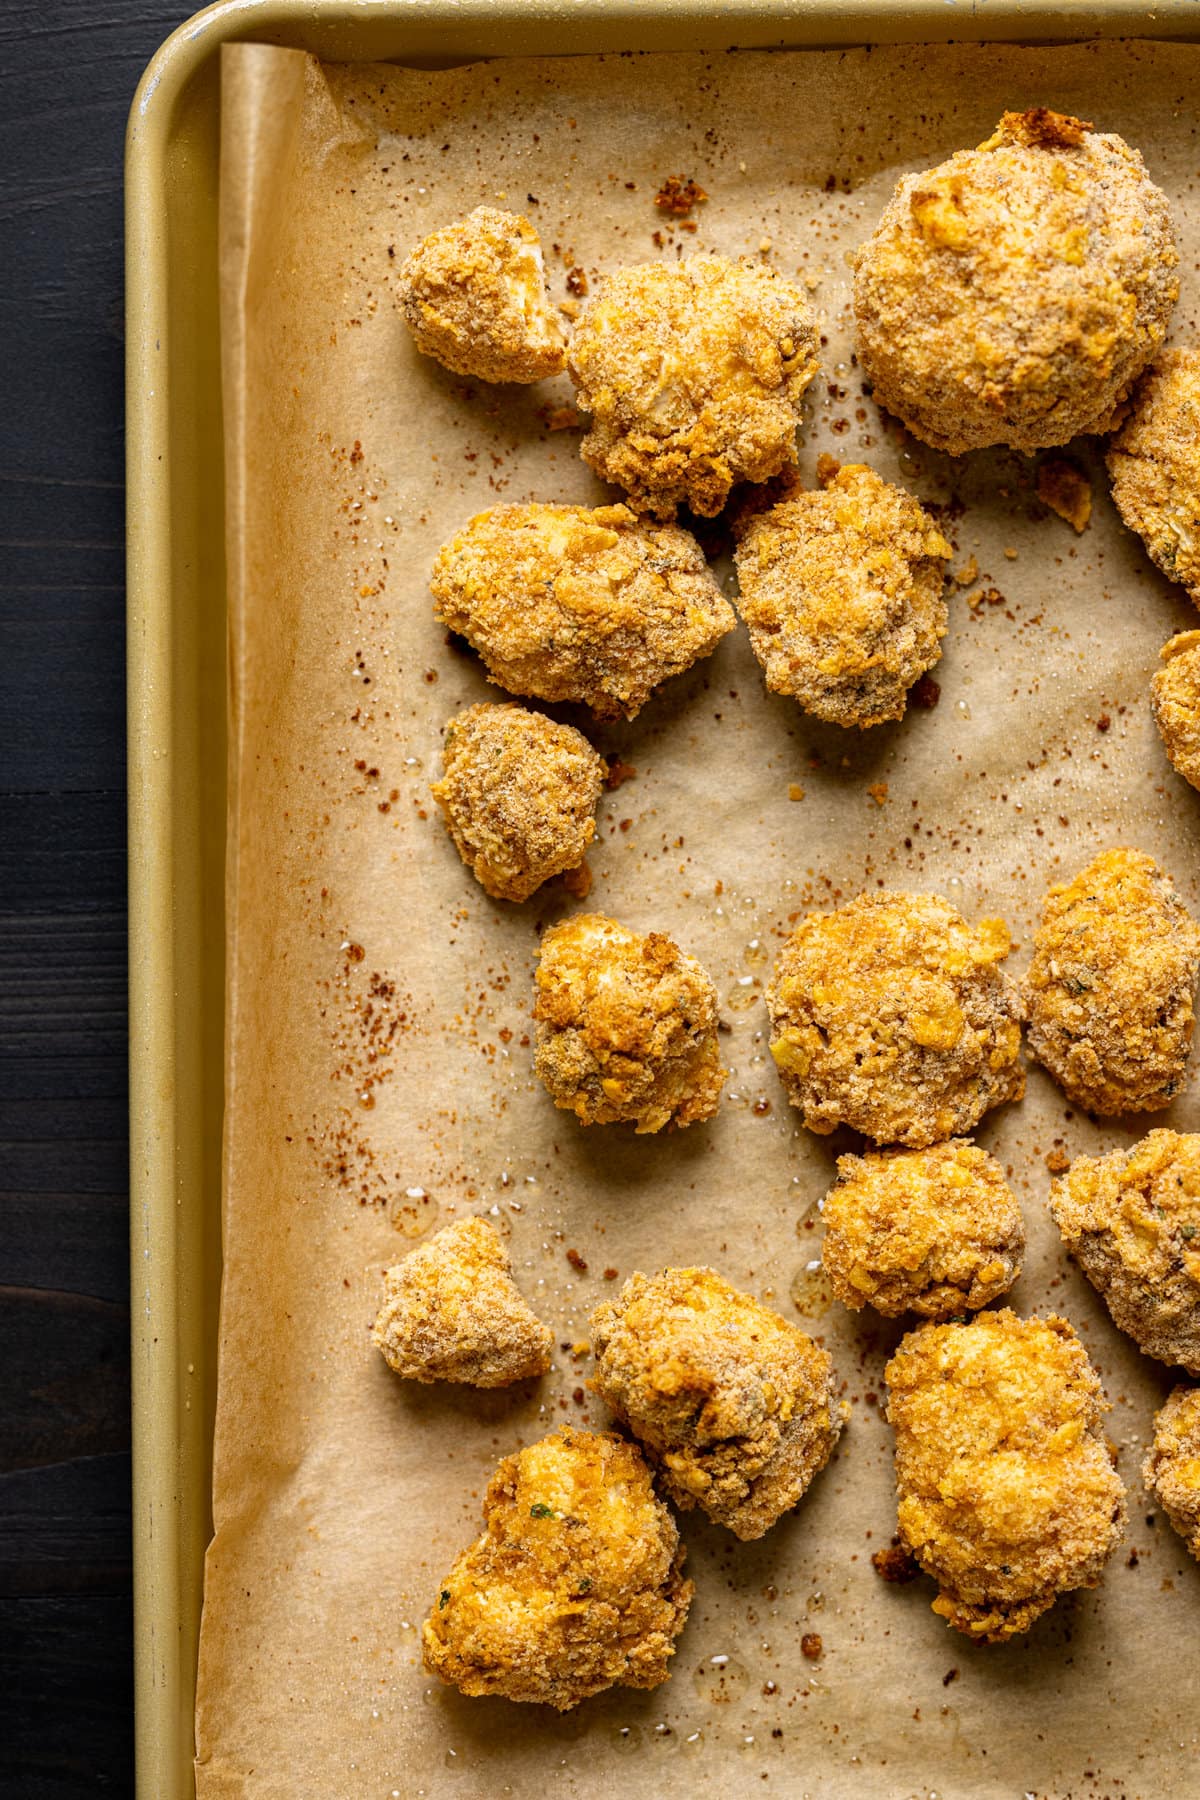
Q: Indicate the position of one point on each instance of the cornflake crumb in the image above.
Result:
(878, 791)
(1066, 490)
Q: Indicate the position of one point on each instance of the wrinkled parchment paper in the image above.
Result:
(379, 1065)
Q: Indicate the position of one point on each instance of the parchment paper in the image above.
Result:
(379, 1067)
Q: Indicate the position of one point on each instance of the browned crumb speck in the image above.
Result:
(935, 1231)
(1066, 490)
(893, 1015)
(1154, 464)
(567, 603)
(575, 1586)
(474, 298)
(735, 1406)
(841, 591)
(895, 1564)
(1172, 1468)
(453, 1313)
(1131, 1220)
(626, 1026)
(693, 373)
(1109, 992)
(1013, 294)
(1007, 1493)
(1175, 698)
(678, 195)
(519, 796)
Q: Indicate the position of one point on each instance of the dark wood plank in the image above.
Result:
(68, 69)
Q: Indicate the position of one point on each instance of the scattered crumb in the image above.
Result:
(925, 693)
(968, 573)
(795, 791)
(878, 791)
(1057, 1161)
(1066, 490)
(811, 1645)
(678, 195)
(577, 1262)
(618, 772)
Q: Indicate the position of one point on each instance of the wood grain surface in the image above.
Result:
(68, 69)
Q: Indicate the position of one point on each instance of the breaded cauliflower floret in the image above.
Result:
(569, 604)
(736, 1407)
(474, 297)
(1007, 1493)
(626, 1026)
(1171, 1470)
(842, 594)
(936, 1231)
(575, 1586)
(1014, 294)
(693, 373)
(452, 1313)
(519, 796)
(1131, 1220)
(1108, 996)
(893, 1015)
(1154, 464)
(1175, 698)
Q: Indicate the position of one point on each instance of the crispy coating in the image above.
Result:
(626, 1026)
(1131, 1220)
(1007, 1492)
(735, 1406)
(694, 373)
(576, 1584)
(1013, 294)
(893, 1015)
(474, 298)
(841, 591)
(1154, 465)
(935, 1232)
(1175, 698)
(1172, 1468)
(567, 603)
(452, 1312)
(1108, 996)
(519, 796)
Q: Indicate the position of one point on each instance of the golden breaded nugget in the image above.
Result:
(735, 1406)
(474, 298)
(453, 1313)
(1131, 1220)
(1172, 1468)
(519, 796)
(1109, 993)
(935, 1231)
(1014, 294)
(1007, 1492)
(626, 1026)
(567, 603)
(1175, 698)
(576, 1584)
(693, 373)
(893, 1015)
(1154, 464)
(841, 591)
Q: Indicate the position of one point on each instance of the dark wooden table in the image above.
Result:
(68, 69)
